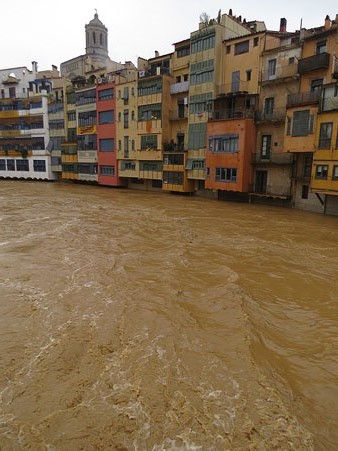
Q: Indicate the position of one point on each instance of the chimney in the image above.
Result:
(282, 27)
(156, 54)
(327, 25)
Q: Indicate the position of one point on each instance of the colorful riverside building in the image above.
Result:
(231, 131)
(175, 154)
(310, 125)
(24, 130)
(278, 77)
(126, 125)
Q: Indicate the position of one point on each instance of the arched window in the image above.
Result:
(101, 39)
(94, 37)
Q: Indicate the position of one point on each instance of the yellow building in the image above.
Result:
(126, 125)
(316, 69)
(206, 74)
(153, 126)
(324, 180)
(175, 155)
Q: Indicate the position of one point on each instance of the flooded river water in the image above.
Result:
(142, 321)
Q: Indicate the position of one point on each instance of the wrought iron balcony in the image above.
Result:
(272, 158)
(281, 73)
(238, 87)
(320, 61)
(231, 113)
(277, 115)
(302, 98)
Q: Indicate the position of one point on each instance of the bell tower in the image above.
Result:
(96, 39)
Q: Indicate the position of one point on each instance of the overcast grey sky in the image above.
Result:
(52, 32)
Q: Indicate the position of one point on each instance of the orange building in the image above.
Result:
(231, 144)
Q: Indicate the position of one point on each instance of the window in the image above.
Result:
(173, 178)
(183, 51)
(224, 143)
(185, 77)
(12, 92)
(248, 74)
(320, 47)
(321, 171)
(149, 112)
(292, 60)
(148, 142)
(272, 67)
(132, 144)
(266, 146)
(241, 47)
(71, 116)
(335, 173)
(269, 105)
(126, 119)
(2, 164)
(120, 115)
(107, 170)
(10, 165)
(228, 49)
(202, 72)
(178, 79)
(22, 165)
(305, 191)
(316, 85)
(203, 43)
(87, 118)
(197, 136)
(307, 166)
(255, 42)
(106, 117)
(197, 164)
(325, 135)
(2, 93)
(107, 145)
(147, 87)
(225, 174)
(288, 125)
(302, 123)
(200, 103)
(133, 115)
(106, 94)
(39, 165)
(126, 95)
(235, 81)
(126, 146)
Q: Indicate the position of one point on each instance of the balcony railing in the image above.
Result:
(230, 113)
(320, 61)
(277, 115)
(177, 88)
(237, 87)
(302, 98)
(273, 158)
(177, 115)
(280, 73)
(271, 191)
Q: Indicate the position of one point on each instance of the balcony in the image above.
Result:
(289, 71)
(320, 61)
(87, 156)
(303, 98)
(178, 115)
(177, 88)
(335, 68)
(277, 115)
(282, 192)
(231, 113)
(272, 159)
(236, 88)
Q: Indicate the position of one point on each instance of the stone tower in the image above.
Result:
(96, 40)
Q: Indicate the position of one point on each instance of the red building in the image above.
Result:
(106, 134)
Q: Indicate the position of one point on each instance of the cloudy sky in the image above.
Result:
(52, 32)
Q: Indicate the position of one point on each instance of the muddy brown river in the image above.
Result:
(144, 321)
